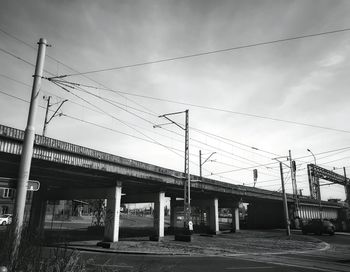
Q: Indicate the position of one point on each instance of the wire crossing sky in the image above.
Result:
(285, 87)
(207, 53)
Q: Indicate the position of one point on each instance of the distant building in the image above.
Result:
(7, 200)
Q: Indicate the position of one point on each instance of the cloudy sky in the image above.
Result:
(234, 97)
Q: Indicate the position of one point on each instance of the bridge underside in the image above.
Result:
(81, 173)
(58, 177)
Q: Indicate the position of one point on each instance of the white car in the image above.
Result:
(5, 219)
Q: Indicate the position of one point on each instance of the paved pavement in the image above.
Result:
(242, 251)
(224, 244)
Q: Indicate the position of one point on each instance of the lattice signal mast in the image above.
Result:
(315, 173)
(187, 180)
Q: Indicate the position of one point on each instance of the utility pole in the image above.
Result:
(187, 181)
(46, 122)
(27, 152)
(200, 164)
(285, 204)
(294, 183)
(347, 192)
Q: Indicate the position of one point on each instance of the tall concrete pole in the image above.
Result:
(27, 151)
(285, 204)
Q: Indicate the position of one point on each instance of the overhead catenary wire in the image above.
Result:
(29, 86)
(208, 52)
(100, 126)
(123, 122)
(212, 52)
(61, 63)
(67, 66)
(259, 116)
(306, 156)
(77, 87)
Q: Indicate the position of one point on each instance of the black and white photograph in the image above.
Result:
(174, 135)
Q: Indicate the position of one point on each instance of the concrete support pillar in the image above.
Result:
(111, 233)
(158, 216)
(235, 218)
(214, 216)
(38, 211)
(172, 212)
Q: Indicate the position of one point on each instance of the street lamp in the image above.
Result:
(312, 155)
(318, 184)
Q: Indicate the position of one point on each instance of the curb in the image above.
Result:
(325, 246)
(102, 250)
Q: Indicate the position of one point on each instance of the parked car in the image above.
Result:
(5, 219)
(318, 227)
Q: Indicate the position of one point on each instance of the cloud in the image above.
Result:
(332, 60)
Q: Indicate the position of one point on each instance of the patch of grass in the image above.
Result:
(33, 256)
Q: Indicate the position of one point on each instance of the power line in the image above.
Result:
(211, 108)
(214, 136)
(271, 163)
(67, 83)
(61, 63)
(214, 147)
(77, 86)
(109, 101)
(45, 91)
(57, 61)
(17, 57)
(98, 125)
(123, 122)
(325, 152)
(207, 53)
(33, 65)
(20, 82)
(22, 59)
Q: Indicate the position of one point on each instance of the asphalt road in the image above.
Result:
(336, 258)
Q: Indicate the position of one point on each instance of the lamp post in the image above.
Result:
(313, 155)
(318, 184)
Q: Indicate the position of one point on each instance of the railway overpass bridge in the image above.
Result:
(68, 171)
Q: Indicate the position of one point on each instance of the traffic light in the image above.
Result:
(255, 174)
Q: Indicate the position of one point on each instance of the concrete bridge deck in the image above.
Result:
(68, 171)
